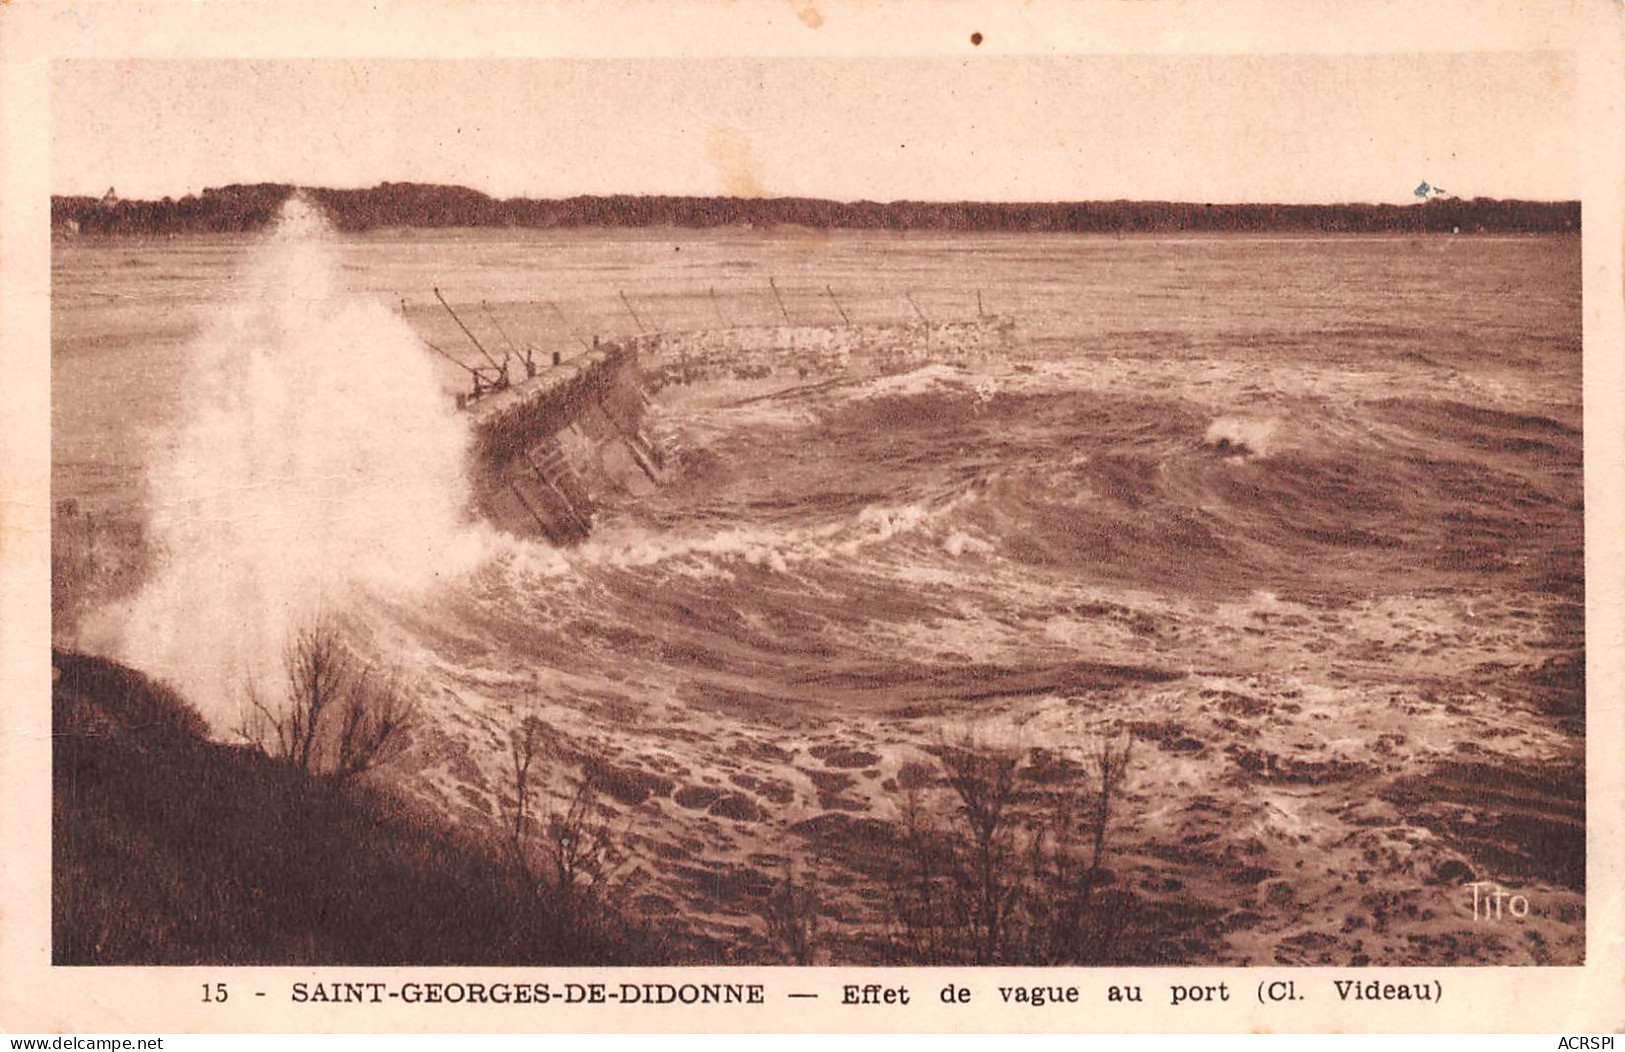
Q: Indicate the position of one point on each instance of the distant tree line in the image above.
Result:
(241, 207)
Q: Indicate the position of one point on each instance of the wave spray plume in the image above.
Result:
(320, 463)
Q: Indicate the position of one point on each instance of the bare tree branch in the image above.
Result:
(339, 717)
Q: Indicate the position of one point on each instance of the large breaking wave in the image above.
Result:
(320, 460)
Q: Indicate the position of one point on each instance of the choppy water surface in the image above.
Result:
(1304, 515)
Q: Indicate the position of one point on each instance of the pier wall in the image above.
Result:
(550, 448)
(547, 450)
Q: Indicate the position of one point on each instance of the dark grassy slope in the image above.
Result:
(170, 849)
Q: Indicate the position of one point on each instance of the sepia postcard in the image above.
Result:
(811, 516)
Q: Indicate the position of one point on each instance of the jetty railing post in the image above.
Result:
(923, 318)
(775, 287)
(492, 318)
(472, 338)
(462, 399)
(635, 319)
(571, 329)
(838, 306)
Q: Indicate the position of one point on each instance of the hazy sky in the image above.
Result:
(1198, 128)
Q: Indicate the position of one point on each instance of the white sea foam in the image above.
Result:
(1242, 435)
(775, 548)
(925, 380)
(958, 543)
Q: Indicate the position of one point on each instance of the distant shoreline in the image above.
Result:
(242, 208)
(668, 232)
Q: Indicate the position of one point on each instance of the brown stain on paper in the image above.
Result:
(735, 162)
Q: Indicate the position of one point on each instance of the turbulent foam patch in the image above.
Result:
(776, 548)
(1242, 436)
